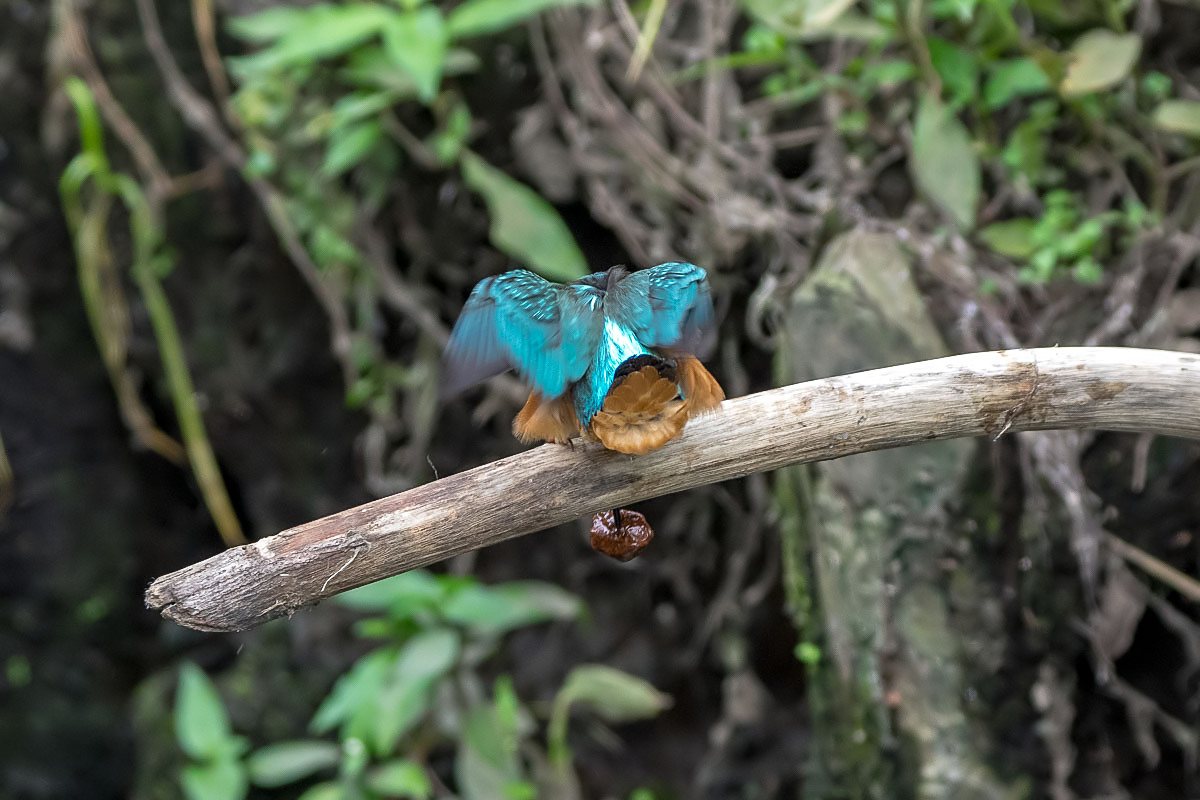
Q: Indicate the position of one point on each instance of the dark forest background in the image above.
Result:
(234, 235)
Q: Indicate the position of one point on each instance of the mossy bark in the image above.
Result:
(865, 540)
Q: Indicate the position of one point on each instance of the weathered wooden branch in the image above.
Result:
(968, 395)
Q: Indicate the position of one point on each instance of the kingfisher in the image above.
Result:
(613, 357)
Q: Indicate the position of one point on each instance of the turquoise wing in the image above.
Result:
(518, 320)
(668, 306)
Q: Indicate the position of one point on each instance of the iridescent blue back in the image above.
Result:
(617, 343)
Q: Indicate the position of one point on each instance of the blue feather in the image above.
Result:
(617, 343)
(667, 306)
(519, 320)
(576, 336)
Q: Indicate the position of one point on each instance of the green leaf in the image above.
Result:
(962, 10)
(943, 161)
(524, 225)
(498, 609)
(487, 765)
(957, 68)
(372, 66)
(359, 105)
(260, 164)
(91, 130)
(325, 791)
(223, 779)
(451, 136)
(201, 723)
(416, 41)
(407, 692)
(350, 145)
(354, 694)
(1012, 238)
(611, 694)
(324, 31)
(286, 762)
(330, 248)
(1016, 77)
(1179, 116)
(1088, 271)
(808, 653)
(400, 595)
(400, 779)
(888, 73)
(1083, 240)
(478, 17)
(1154, 85)
(266, 26)
(1025, 153)
(1099, 59)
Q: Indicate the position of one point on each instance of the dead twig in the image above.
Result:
(968, 395)
(204, 21)
(1161, 571)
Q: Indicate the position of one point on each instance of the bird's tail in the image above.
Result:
(650, 401)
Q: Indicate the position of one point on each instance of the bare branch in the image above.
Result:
(979, 394)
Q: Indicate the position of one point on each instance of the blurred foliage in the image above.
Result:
(1021, 149)
(417, 692)
(997, 94)
(88, 188)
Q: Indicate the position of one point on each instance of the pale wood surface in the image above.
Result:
(978, 394)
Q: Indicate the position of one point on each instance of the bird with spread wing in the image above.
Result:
(613, 356)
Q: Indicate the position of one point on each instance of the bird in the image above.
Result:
(614, 356)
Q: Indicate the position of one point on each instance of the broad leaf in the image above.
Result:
(498, 609)
(399, 595)
(416, 41)
(1099, 59)
(268, 25)
(326, 791)
(943, 161)
(400, 779)
(370, 65)
(359, 105)
(478, 17)
(487, 765)
(524, 225)
(611, 694)
(1179, 116)
(324, 31)
(223, 779)
(201, 723)
(286, 762)
(957, 68)
(1017, 77)
(1012, 238)
(407, 692)
(353, 696)
(888, 73)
